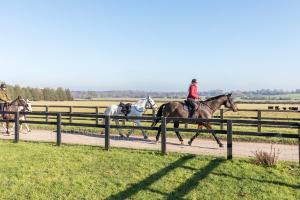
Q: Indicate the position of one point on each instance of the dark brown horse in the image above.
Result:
(205, 110)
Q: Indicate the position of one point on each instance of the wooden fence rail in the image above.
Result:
(96, 110)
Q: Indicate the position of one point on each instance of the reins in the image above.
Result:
(202, 102)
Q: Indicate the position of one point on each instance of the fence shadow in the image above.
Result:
(142, 185)
(194, 180)
(260, 180)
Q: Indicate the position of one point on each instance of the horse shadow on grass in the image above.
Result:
(112, 137)
(177, 193)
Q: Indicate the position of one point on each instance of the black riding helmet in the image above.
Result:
(194, 80)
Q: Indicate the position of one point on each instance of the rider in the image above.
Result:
(4, 98)
(193, 96)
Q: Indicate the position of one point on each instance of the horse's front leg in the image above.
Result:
(209, 127)
(7, 128)
(200, 126)
(27, 128)
(138, 123)
(176, 125)
(13, 127)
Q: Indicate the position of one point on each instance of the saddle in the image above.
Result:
(188, 107)
(125, 108)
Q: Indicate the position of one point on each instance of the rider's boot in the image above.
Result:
(192, 114)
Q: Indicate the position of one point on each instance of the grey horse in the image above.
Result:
(18, 105)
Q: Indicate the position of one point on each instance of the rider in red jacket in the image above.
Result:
(193, 96)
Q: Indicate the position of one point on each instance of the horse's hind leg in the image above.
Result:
(200, 126)
(158, 133)
(120, 132)
(3, 126)
(176, 125)
(138, 123)
(131, 130)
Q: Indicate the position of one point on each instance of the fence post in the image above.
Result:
(259, 119)
(107, 130)
(222, 118)
(163, 136)
(229, 139)
(97, 113)
(70, 111)
(47, 116)
(299, 141)
(17, 127)
(58, 129)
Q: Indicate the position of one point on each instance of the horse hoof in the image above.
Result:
(221, 145)
(156, 141)
(146, 137)
(190, 143)
(181, 143)
(122, 136)
(127, 135)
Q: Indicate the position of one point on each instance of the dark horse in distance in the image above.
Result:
(205, 110)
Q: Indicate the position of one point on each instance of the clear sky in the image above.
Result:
(152, 45)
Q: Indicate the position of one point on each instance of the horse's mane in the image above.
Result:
(216, 97)
(14, 101)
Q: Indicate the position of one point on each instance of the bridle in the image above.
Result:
(151, 105)
(25, 108)
(202, 102)
(148, 101)
(230, 102)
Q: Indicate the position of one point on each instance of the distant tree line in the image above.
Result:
(263, 94)
(37, 94)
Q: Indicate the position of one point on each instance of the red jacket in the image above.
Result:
(193, 91)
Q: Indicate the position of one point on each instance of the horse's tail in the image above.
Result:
(158, 114)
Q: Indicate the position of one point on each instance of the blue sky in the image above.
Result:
(152, 45)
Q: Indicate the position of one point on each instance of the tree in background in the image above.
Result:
(37, 94)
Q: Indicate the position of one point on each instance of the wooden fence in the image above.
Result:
(96, 110)
(107, 127)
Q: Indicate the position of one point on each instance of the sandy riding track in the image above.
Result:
(200, 146)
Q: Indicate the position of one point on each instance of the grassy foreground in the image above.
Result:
(43, 171)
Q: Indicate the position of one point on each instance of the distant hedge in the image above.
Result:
(37, 94)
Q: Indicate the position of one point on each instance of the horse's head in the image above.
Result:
(28, 106)
(229, 103)
(23, 105)
(151, 104)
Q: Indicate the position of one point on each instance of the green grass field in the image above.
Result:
(44, 171)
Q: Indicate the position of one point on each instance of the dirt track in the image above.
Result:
(200, 146)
